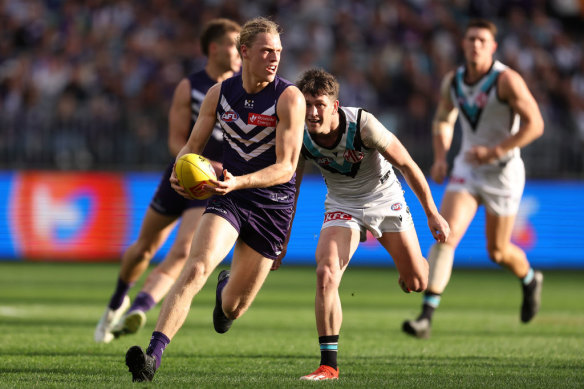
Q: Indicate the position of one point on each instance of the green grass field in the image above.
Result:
(48, 313)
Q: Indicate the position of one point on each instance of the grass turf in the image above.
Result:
(48, 313)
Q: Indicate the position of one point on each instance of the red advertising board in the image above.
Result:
(69, 216)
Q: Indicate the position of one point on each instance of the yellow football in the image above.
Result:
(193, 171)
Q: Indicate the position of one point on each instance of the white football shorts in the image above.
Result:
(499, 188)
(391, 216)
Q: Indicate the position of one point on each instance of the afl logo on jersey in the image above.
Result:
(396, 207)
(353, 156)
(229, 116)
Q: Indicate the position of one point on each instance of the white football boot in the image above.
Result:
(132, 322)
(103, 331)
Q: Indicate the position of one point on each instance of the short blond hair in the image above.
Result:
(253, 27)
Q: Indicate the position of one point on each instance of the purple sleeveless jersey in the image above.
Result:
(261, 216)
(249, 127)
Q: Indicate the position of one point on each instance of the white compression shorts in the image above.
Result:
(499, 188)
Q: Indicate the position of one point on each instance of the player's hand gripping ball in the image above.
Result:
(193, 171)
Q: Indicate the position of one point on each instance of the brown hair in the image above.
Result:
(482, 23)
(318, 82)
(254, 27)
(216, 29)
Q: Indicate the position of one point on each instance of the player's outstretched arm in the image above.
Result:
(291, 111)
(375, 135)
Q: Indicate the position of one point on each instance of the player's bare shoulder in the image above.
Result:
(291, 105)
(291, 97)
(446, 111)
(182, 92)
(510, 85)
(446, 84)
(214, 92)
(373, 133)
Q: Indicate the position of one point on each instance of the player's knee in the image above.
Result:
(327, 276)
(196, 273)
(178, 254)
(142, 251)
(496, 254)
(234, 308)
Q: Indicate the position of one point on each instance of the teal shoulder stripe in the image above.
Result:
(458, 82)
(491, 79)
(309, 145)
(351, 131)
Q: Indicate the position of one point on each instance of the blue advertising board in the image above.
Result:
(36, 208)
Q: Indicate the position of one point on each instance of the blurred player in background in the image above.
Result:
(499, 116)
(355, 154)
(261, 116)
(218, 43)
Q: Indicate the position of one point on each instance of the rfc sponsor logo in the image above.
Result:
(396, 206)
(330, 216)
(261, 120)
(229, 116)
(353, 156)
(324, 161)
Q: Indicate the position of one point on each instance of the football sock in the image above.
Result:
(143, 302)
(528, 278)
(119, 294)
(158, 343)
(431, 302)
(328, 350)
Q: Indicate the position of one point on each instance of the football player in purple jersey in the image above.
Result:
(218, 43)
(262, 117)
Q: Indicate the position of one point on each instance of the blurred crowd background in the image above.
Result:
(86, 85)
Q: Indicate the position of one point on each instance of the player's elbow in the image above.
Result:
(286, 171)
(536, 127)
(539, 128)
(417, 284)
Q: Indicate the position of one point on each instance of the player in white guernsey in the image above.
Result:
(355, 154)
(498, 116)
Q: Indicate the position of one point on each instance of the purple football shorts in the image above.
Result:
(262, 229)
